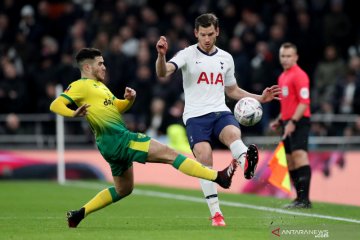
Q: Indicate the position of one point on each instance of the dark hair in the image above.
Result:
(206, 20)
(289, 45)
(87, 53)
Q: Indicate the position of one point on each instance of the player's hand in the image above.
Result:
(162, 46)
(274, 125)
(289, 129)
(130, 94)
(81, 111)
(271, 93)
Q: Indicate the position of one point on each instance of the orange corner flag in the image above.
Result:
(279, 176)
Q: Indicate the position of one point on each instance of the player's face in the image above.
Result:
(99, 69)
(288, 57)
(206, 37)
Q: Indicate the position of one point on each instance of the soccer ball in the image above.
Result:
(248, 111)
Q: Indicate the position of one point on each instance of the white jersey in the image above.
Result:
(204, 79)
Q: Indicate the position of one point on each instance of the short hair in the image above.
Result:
(206, 20)
(289, 45)
(87, 53)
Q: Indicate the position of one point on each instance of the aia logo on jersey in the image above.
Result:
(211, 78)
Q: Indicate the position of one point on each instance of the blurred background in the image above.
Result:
(38, 41)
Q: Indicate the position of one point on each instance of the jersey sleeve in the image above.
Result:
(302, 88)
(230, 74)
(122, 105)
(75, 92)
(179, 59)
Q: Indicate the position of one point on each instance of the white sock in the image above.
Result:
(211, 196)
(238, 150)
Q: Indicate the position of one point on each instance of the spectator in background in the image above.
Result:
(49, 96)
(12, 125)
(327, 73)
(337, 26)
(354, 49)
(308, 41)
(119, 71)
(45, 72)
(26, 51)
(12, 89)
(345, 93)
(354, 64)
(141, 108)
(250, 29)
(29, 27)
(262, 75)
(101, 41)
(241, 61)
(157, 126)
(175, 130)
(261, 68)
(106, 24)
(229, 18)
(276, 38)
(344, 98)
(130, 44)
(6, 36)
(77, 37)
(356, 99)
(353, 129)
(66, 71)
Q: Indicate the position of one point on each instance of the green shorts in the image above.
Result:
(121, 149)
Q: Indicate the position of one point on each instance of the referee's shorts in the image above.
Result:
(299, 139)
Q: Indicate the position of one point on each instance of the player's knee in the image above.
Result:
(230, 136)
(124, 191)
(128, 191)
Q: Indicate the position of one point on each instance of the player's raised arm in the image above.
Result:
(59, 106)
(129, 99)
(269, 93)
(163, 69)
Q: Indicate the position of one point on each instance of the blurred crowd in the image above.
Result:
(38, 41)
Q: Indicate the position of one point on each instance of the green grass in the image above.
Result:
(36, 210)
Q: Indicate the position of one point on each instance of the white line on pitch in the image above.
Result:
(226, 203)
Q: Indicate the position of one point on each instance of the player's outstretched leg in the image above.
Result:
(251, 161)
(224, 177)
(74, 217)
(102, 199)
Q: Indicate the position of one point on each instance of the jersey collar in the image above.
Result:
(212, 54)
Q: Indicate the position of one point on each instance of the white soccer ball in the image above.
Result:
(248, 111)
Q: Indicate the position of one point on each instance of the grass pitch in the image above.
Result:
(36, 210)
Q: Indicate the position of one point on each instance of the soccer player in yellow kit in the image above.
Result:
(119, 146)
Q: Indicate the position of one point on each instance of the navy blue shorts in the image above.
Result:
(206, 127)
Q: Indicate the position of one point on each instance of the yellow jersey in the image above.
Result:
(103, 116)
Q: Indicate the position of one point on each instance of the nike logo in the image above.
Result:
(230, 170)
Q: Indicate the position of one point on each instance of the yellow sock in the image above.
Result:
(102, 199)
(194, 168)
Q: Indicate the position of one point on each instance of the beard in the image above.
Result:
(99, 76)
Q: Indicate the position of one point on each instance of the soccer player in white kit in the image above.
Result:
(208, 73)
